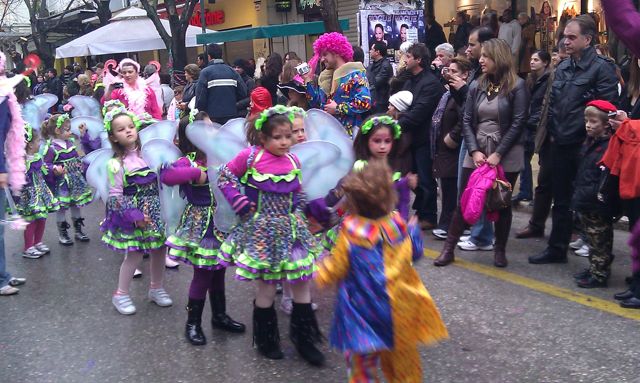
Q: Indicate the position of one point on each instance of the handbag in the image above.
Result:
(499, 196)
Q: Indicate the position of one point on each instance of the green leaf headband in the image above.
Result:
(382, 120)
(298, 111)
(108, 118)
(192, 114)
(28, 81)
(28, 132)
(278, 109)
(61, 119)
(110, 103)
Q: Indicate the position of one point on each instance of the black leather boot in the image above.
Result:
(502, 235)
(193, 329)
(266, 335)
(77, 225)
(305, 333)
(63, 234)
(456, 227)
(219, 317)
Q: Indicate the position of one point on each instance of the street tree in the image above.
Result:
(330, 16)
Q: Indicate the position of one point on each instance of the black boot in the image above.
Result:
(219, 317)
(265, 332)
(193, 329)
(63, 234)
(305, 333)
(77, 225)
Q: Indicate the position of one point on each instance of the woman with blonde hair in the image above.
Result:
(494, 118)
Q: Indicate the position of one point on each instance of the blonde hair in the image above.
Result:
(592, 111)
(370, 191)
(500, 53)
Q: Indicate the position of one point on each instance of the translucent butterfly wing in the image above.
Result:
(225, 218)
(320, 125)
(314, 156)
(33, 114)
(104, 140)
(85, 106)
(94, 126)
(45, 100)
(163, 129)
(97, 173)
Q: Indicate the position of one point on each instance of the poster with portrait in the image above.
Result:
(392, 28)
(407, 26)
(380, 28)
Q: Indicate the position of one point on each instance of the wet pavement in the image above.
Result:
(503, 327)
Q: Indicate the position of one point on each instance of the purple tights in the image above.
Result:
(203, 280)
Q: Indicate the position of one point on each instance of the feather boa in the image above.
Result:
(136, 96)
(15, 147)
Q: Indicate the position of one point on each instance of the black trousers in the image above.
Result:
(564, 167)
(426, 202)
(449, 192)
(542, 195)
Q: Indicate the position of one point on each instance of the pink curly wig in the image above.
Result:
(14, 143)
(333, 42)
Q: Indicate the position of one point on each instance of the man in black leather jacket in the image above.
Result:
(583, 77)
(379, 74)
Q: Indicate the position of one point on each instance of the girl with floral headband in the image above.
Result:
(88, 144)
(36, 200)
(69, 185)
(133, 224)
(272, 242)
(196, 241)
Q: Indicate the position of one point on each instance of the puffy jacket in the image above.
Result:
(379, 74)
(513, 110)
(474, 195)
(218, 89)
(588, 181)
(574, 85)
(427, 91)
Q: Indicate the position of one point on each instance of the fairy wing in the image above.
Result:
(104, 140)
(225, 218)
(321, 167)
(94, 125)
(85, 106)
(320, 125)
(33, 114)
(156, 153)
(45, 100)
(165, 130)
(97, 174)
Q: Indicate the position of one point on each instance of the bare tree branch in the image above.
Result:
(153, 16)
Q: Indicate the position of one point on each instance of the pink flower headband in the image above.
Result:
(128, 62)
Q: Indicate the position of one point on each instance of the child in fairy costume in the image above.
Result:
(36, 200)
(88, 144)
(133, 223)
(383, 311)
(70, 187)
(272, 242)
(196, 240)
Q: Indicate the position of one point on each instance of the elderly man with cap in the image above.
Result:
(349, 99)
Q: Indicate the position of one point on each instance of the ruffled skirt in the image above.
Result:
(72, 188)
(36, 200)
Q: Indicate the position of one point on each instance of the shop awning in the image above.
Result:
(266, 32)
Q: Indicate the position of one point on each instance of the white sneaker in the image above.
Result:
(465, 238)
(123, 304)
(583, 251)
(577, 244)
(137, 274)
(470, 246)
(160, 297)
(170, 263)
(466, 232)
(8, 290)
(314, 306)
(439, 233)
(32, 253)
(43, 248)
(286, 305)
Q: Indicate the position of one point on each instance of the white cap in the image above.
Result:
(401, 100)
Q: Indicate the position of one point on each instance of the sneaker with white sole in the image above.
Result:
(170, 263)
(465, 238)
(160, 297)
(43, 248)
(582, 252)
(32, 253)
(439, 233)
(577, 244)
(8, 290)
(15, 282)
(137, 274)
(123, 304)
(470, 246)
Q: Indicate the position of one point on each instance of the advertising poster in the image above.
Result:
(392, 28)
(407, 26)
(380, 28)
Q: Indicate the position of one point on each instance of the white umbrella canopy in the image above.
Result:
(129, 31)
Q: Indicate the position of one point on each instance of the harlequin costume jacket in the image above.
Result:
(382, 303)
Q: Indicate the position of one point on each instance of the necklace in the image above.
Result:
(492, 89)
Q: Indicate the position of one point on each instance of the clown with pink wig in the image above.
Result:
(135, 94)
(348, 98)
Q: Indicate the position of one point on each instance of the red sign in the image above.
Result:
(210, 18)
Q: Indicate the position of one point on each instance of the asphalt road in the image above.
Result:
(524, 323)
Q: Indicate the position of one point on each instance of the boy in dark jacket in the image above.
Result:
(594, 208)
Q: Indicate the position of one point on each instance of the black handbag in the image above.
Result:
(499, 196)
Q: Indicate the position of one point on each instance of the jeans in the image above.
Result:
(482, 231)
(4, 275)
(526, 177)
(426, 202)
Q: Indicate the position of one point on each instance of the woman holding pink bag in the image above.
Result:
(494, 118)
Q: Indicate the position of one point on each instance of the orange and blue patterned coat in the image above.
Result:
(350, 91)
(381, 304)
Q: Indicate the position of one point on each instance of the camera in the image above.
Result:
(612, 114)
(117, 85)
(303, 69)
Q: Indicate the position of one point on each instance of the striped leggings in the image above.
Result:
(398, 366)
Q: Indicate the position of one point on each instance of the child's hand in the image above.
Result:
(82, 128)
(143, 222)
(314, 226)
(412, 180)
(58, 170)
(203, 177)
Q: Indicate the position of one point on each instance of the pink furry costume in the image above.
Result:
(138, 98)
(14, 143)
(349, 85)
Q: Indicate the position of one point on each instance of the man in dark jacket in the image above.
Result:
(242, 67)
(427, 91)
(219, 88)
(379, 74)
(434, 35)
(54, 85)
(584, 77)
(462, 32)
